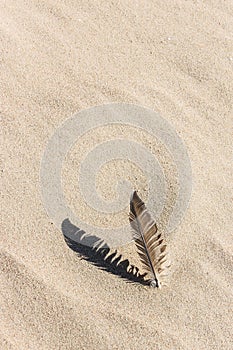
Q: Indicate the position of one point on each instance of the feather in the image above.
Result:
(150, 244)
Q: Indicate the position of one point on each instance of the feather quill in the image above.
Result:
(151, 246)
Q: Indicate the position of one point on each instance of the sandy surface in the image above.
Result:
(56, 59)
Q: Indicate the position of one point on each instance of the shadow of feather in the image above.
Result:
(94, 250)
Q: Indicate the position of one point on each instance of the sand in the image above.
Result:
(58, 58)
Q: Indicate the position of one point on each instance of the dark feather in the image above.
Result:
(150, 244)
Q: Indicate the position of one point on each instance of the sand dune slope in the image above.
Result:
(58, 58)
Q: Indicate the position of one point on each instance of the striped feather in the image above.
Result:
(150, 244)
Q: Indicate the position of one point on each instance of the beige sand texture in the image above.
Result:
(57, 58)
